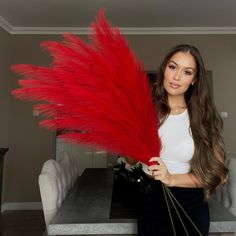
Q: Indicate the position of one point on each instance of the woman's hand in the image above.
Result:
(160, 171)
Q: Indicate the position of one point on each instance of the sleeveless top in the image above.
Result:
(177, 144)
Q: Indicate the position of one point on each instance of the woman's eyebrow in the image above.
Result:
(189, 67)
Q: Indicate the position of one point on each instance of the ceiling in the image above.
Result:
(133, 16)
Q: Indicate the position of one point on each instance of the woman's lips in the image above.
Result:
(174, 86)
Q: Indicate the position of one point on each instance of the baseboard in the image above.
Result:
(13, 206)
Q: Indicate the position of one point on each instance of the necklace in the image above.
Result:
(177, 109)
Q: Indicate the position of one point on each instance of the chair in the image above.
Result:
(60, 183)
(231, 185)
(65, 162)
(227, 193)
(75, 168)
(50, 189)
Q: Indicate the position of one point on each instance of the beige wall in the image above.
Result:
(31, 145)
(4, 90)
(4, 87)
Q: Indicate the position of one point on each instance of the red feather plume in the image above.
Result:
(97, 92)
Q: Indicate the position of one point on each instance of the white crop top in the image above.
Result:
(177, 144)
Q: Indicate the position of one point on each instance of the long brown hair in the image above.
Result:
(205, 123)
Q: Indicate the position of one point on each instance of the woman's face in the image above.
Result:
(179, 73)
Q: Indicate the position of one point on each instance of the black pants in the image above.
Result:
(153, 217)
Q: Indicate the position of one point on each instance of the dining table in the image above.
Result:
(99, 204)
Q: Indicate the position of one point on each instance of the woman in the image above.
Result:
(192, 155)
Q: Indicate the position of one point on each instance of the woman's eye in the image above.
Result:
(188, 73)
(172, 67)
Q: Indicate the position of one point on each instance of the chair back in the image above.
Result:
(65, 162)
(226, 194)
(231, 185)
(50, 189)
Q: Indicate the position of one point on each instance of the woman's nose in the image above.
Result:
(177, 75)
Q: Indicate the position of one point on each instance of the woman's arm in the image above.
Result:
(160, 172)
(188, 180)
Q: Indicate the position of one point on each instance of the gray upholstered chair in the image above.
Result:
(51, 189)
(227, 193)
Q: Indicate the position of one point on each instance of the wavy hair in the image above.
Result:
(205, 123)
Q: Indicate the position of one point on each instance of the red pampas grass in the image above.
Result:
(97, 92)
